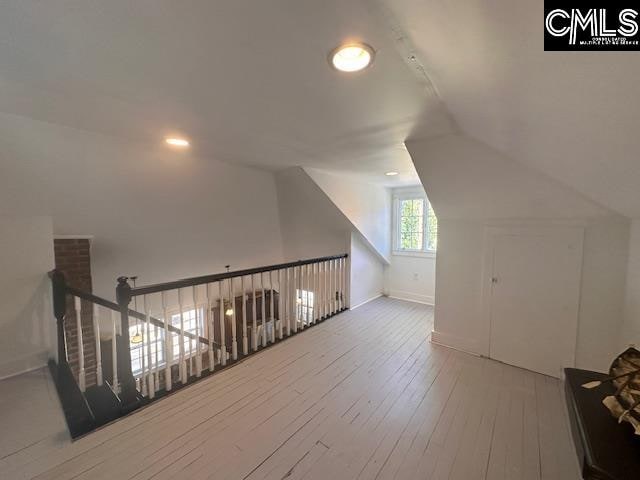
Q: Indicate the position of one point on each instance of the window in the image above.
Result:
(305, 305)
(151, 341)
(415, 223)
(193, 323)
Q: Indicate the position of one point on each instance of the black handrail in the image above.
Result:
(90, 297)
(191, 282)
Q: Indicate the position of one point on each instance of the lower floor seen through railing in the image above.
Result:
(161, 337)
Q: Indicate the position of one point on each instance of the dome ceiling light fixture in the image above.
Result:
(351, 57)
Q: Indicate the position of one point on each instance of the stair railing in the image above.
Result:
(184, 330)
(235, 313)
(80, 363)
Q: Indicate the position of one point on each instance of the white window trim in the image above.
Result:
(407, 194)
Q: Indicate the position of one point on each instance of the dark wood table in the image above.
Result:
(607, 450)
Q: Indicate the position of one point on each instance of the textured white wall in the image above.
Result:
(153, 212)
(365, 205)
(471, 186)
(367, 273)
(411, 278)
(313, 226)
(631, 331)
(27, 324)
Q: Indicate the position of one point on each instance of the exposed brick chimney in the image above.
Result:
(73, 258)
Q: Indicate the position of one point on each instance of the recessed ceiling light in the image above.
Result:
(391, 174)
(352, 57)
(177, 142)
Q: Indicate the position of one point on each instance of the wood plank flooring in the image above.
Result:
(363, 395)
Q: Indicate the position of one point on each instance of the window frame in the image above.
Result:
(410, 194)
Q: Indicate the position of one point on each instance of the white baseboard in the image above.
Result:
(9, 370)
(465, 345)
(366, 301)
(411, 297)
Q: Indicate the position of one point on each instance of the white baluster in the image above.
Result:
(335, 286)
(223, 339)
(168, 345)
(294, 293)
(151, 385)
(182, 361)
(343, 283)
(329, 289)
(302, 301)
(157, 358)
(348, 282)
(325, 289)
(320, 287)
(338, 285)
(96, 333)
(234, 342)
(280, 312)
(115, 317)
(272, 313)
(254, 326)
(143, 379)
(286, 302)
(263, 310)
(245, 342)
(314, 289)
(210, 329)
(198, 346)
(81, 373)
(307, 289)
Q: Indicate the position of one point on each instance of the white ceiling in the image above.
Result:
(573, 116)
(247, 81)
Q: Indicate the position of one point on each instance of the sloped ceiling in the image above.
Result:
(573, 116)
(248, 81)
(366, 206)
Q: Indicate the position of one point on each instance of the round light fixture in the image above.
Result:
(228, 312)
(352, 57)
(391, 174)
(177, 142)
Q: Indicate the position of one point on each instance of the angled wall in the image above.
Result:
(366, 206)
(312, 226)
(27, 324)
(154, 212)
(472, 186)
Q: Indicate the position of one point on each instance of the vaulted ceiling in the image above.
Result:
(249, 82)
(572, 116)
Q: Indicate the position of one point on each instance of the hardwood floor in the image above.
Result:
(363, 395)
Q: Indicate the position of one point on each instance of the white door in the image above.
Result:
(535, 288)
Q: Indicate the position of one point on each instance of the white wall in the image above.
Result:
(471, 186)
(312, 226)
(367, 273)
(411, 278)
(366, 206)
(155, 212)
(27, 324)
(631, 332)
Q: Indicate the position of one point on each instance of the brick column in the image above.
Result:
(73, 258)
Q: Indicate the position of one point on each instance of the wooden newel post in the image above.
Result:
(128, 394)
(59, 288)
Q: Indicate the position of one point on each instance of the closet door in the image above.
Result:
(535, 289)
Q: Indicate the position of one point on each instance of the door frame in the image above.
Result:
(527, 228)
